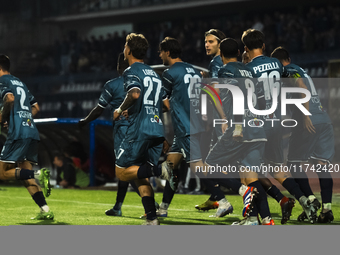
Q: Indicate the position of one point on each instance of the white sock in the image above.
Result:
(36, 174)
(223, 200)
(311, 198)
(242, 190)
(45, 208)
(164, 206)
(327, 207)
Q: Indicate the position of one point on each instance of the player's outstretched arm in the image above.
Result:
(94, 114)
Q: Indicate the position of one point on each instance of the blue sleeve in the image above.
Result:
(167, 81)
(213, 70)
(31, 98)
(131, 80)
(163, 94)
(106, 96)
(285, 72)
(293, 72)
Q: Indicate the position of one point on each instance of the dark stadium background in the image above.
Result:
(66, 50)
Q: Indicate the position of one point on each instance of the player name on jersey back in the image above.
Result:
(149, 72)
(16, 82)
(265, 67)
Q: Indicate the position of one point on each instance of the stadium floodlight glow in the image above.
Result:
(45, 120)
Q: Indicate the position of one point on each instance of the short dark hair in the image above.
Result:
(218, 33)
(172, 45)
(280, 53)
(5, 63)
(229, 48)
(137, 44)
(121, 63)
(253, 39)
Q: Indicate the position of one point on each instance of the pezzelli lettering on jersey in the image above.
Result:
(265, 67)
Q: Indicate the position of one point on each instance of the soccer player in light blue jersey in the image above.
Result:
(240, 146)
(269, 73)
(213, 38)
(139, 152)
(113, 95)
(181, 82)
(20, 150)
(312, 139)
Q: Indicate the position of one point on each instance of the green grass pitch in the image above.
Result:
(87, 207)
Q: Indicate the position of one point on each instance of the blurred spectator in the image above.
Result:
(68, 175)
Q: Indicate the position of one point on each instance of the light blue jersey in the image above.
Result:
(214, 66)
(21, 124)
(269, 72)
(319, 115)
(238, 74)
(181, 86)
(145, 115)
(113, 94)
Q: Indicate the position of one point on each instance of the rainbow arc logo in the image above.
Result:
(210, 94)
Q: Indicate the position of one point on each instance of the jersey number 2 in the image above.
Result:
(21, 92)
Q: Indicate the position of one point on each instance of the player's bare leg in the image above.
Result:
(175, 158)
(8, 171)
(127, 174)
(30, 184)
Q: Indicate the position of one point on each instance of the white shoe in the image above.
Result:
(251, 221)
(309, 209)
(162, 212)
(151, 222)
(224, 208)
